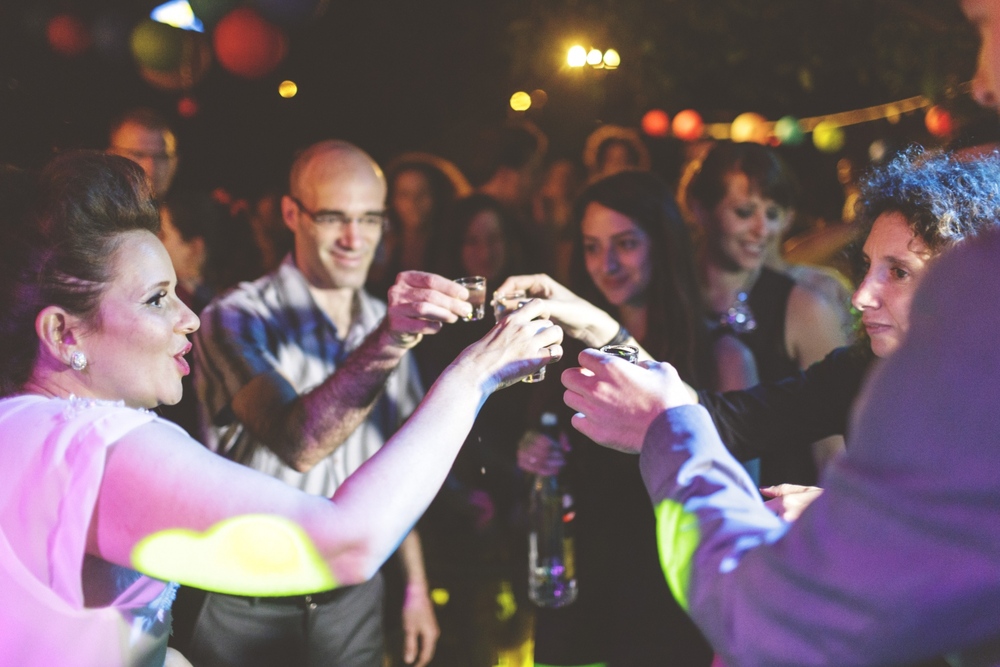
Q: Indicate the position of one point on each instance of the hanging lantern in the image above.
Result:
(192, 65)
(828, 137)
(788, 131)
(877, 150)
(656, 123)
(247, 45)
(157, 46)
(187, 107)
(67, 35)
(688, 125)
(939, 122)
(749, 126)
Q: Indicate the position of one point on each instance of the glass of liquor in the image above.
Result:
(477, 296)
(504, 303)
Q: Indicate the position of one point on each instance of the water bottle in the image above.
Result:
(551, 570)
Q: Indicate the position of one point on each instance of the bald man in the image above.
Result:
(303, 375)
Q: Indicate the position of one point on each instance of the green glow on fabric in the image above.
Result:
(677, 538)
(506, 602)
(253, 554)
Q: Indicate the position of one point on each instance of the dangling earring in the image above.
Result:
(78, 361)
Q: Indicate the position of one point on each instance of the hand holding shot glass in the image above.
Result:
(477, 296)
(505, 303)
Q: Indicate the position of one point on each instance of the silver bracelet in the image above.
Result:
(620, 337)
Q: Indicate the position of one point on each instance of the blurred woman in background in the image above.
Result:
(741, 199)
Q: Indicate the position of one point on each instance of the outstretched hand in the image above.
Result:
(578, 317)
(518, 345)
(420, 303)
(617, 401)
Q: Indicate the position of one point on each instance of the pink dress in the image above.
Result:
(59, 606)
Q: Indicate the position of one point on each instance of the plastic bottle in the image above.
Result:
(551, 570)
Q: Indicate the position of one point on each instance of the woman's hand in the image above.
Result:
(539, 454)
(579, 318)
(520, 344)
(788, 501)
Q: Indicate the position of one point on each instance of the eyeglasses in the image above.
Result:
(369, 222)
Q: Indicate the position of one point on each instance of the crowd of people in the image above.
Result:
(288, 409)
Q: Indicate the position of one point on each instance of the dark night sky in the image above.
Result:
(396, 75)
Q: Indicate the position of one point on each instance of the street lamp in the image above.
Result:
(578, 56)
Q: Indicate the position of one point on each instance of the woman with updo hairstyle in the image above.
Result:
(742, 198)
(102, 503)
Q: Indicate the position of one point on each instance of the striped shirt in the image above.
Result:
(273, 324)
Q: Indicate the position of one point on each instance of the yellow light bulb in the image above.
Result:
(595, 57)
(577, 56)
(287, 89)
(520, 101)
(612, 59)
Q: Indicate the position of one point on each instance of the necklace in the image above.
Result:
(739, 316)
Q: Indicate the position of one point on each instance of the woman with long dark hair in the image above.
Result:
(632, 263)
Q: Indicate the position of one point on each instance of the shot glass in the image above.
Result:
(477, 296)
(629, 353)
(504, 303)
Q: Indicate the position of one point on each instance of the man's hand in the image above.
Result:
(420, 303)
(788, 501)
(420, 628)
(617, 401)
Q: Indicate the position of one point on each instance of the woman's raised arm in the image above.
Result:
(173, 510)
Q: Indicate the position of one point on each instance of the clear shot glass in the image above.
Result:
(505, 303)
(629, 353)
(477, 296)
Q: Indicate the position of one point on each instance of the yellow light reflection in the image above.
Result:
(288, 89)
(677, 537)
(520, 101)
(612, 59)
(440, 596)
(595, 57)
(253, 554)
(577, 56)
